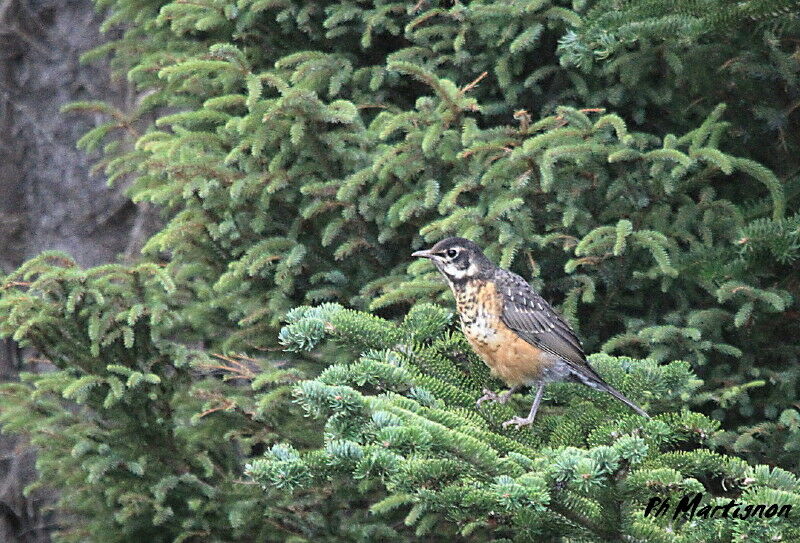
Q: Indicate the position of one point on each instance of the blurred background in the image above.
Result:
(49, 197)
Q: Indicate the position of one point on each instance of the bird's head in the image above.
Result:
(458, 259)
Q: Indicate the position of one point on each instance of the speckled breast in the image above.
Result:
(508, 356)
(479, 307)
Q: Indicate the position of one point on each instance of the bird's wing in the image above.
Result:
(530, 316)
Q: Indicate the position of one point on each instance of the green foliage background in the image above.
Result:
(301, 150)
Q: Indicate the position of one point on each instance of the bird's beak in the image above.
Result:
(423, 254)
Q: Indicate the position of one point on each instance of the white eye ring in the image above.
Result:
(452, 253)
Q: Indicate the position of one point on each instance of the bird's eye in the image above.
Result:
(451, 253)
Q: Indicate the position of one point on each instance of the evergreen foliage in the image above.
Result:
(657, 58)
(143, 436)
(306, 174)
(400, 417)
(301, 150)
(122, 425)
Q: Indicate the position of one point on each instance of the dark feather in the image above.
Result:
(530, 316)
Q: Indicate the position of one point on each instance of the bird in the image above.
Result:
(519, 336)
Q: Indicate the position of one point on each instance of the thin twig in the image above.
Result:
(473, 84)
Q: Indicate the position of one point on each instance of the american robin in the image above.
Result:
(514, 330)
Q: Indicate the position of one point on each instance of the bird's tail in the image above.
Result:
(618, 395)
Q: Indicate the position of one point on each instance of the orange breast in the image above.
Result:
(510, 358)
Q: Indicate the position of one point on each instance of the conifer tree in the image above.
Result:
(301, 150)
(401, 417)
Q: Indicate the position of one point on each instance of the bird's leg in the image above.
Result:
(537, 399)
(495, 397)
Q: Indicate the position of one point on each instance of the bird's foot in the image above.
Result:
(537, 399)
(495, 397)
(488, 395)
(518, 422)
